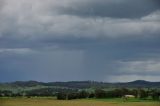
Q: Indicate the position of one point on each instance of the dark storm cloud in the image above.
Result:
(111, 8)
(92, 39)
(124, 57)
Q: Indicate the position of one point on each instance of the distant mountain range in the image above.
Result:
(80, 84)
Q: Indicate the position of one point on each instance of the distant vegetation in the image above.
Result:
(117, 93)
(81, 89)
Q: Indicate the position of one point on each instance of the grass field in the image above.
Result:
(54, 102)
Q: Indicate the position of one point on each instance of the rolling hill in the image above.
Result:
(78, 84)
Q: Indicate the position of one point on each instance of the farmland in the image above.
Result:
(34, 93)
(82, 102)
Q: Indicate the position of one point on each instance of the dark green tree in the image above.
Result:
(83, 94)
(61, 96)
(99, 93)
(143, 94)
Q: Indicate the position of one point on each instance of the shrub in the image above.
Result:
(99, 93)
(83, 94)
(61, 96)
(91, 95)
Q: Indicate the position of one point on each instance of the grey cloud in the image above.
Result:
(34, 24)
(47, 38)
(2, 3)
(72, 31)
(147, 67)
(111, 8)
(42, 66)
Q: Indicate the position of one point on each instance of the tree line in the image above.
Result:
(69, 94)
(41, 92)
(116, 93)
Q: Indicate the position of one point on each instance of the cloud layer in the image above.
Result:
(87, 37)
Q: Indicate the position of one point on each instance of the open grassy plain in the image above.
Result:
(54, 102)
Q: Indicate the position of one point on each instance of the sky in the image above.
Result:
(78, 40)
